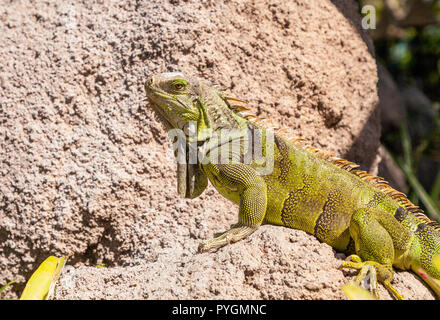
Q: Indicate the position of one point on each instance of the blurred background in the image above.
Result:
(407, 48)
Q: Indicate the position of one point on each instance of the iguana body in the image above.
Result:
(307, 189)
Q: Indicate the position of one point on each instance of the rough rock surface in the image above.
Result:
(85, 169)
(268, 265)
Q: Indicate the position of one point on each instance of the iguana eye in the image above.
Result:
(179, 84)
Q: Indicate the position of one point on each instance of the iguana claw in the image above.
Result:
(203, 246)
(236, 233)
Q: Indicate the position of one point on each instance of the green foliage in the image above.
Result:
(6, 285)
(435, 191)
(412, 56)
(415, 59)
(406, 165)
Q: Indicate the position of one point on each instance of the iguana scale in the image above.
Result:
(306, 188)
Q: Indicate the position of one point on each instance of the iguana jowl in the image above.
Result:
(307, 189)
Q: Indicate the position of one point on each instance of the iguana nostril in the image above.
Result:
(149, 82)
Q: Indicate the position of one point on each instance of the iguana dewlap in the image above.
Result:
(282, 182)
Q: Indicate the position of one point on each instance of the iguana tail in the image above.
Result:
(425, 254)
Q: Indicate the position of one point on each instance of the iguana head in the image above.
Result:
(179, 100)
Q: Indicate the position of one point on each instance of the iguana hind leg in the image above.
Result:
(370, 270)
(253, 201)
(375, 248)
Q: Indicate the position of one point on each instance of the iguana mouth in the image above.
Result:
(160, 116)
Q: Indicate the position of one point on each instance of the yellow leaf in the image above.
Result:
(42, 282)
(355, 292)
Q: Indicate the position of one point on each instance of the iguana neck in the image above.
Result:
(216, 114)
(222, 124)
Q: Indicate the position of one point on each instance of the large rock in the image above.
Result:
(85, 167)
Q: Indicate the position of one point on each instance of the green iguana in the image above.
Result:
(279, 181)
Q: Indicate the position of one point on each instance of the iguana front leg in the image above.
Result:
(240, 179)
